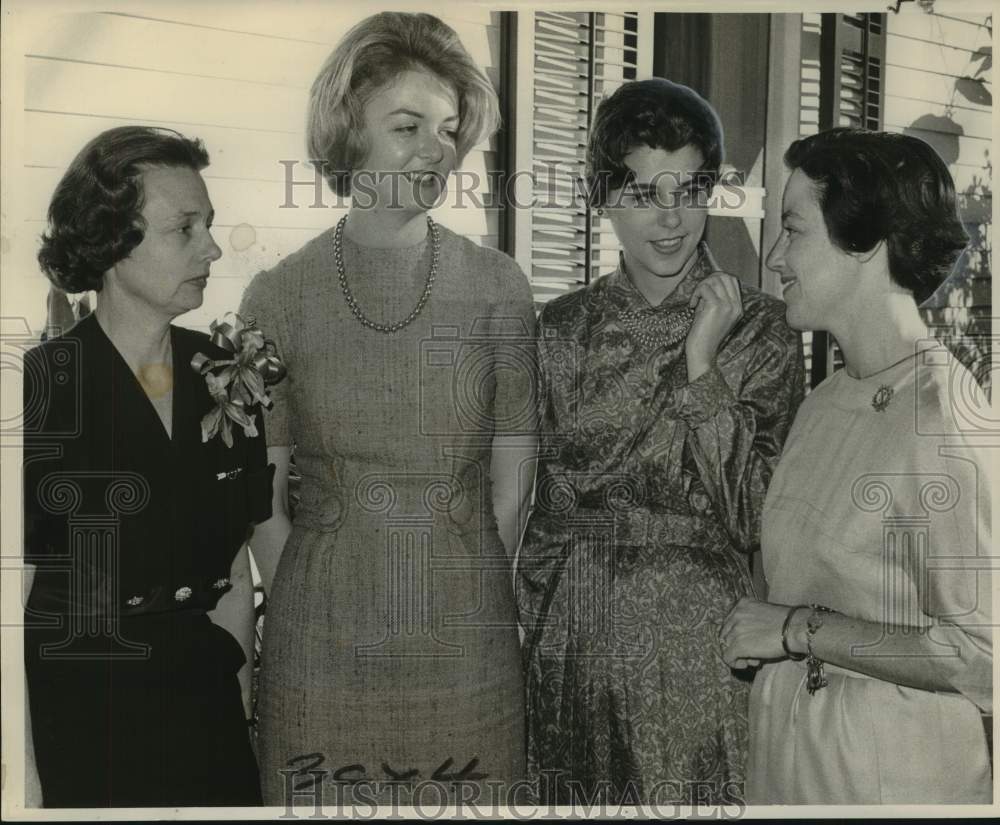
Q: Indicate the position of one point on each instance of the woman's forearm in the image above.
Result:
(235, 613)
(32, 783)
(937, 658)
(736, 436)
(513, 474)
(268, 540)
(267, 544)
(943, 657)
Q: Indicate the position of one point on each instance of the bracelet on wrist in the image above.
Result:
(815, 678)
(795, 657)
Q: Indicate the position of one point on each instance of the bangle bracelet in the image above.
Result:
(815, 678)
(795, 657)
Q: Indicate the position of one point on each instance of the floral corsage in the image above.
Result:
(238, 382)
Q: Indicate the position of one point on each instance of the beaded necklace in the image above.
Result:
(655, 328)
(659, 326)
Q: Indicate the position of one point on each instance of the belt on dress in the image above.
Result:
(198, 597)
(638, 526)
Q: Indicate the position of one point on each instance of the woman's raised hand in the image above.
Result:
(752, 633)
(718, 305)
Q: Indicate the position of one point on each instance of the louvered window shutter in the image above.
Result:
(578, 59)
(852, 69)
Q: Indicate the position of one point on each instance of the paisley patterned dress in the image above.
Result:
(648, 503)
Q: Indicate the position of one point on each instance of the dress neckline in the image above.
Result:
(857, 393)
(129, 378)
(350, 243)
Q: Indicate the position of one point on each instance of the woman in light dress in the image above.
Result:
(876, 640)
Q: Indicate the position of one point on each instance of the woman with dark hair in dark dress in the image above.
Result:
(139, 617)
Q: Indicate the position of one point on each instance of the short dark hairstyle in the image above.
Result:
(881, 186)
(94, 218)
(656, 113)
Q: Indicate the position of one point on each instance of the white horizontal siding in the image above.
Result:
(972, 122)
(262, 203)
(926, 54)
(945, 28)
(173, 47)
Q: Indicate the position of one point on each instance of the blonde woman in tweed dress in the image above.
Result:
(391, 655)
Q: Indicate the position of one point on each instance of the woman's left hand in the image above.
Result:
(718, 305)
(752, 632)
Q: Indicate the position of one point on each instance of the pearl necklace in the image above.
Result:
(655, 327)
(387, 329)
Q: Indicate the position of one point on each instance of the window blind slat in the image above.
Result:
(578, 59)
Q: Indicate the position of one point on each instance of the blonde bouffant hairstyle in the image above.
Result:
(367, 59)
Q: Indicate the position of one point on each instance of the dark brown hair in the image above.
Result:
(94, 218)
(882, 186)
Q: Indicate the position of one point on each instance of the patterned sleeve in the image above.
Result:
(738, 426)
(516, 366)
(267, 308)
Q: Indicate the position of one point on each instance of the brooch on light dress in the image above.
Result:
(883, 395)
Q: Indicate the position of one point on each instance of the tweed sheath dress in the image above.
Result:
(391, 655)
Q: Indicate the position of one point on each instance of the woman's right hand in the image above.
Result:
(718, 305)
